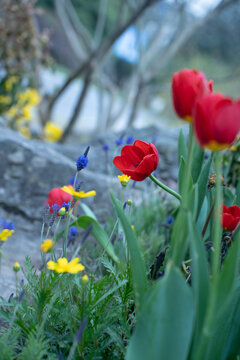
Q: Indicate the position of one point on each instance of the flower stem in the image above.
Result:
(217, 225)
(165, 187)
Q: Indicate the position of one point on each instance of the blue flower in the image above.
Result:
(82, 161)
(130, 140)
(8, 225)
(55, 207)
(170, 220)
(66, 205)
(73, 231)
(119, 141)
(105, 147)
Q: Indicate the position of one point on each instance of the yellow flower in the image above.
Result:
(16, 267)
(133, 227)
(63, 266)
(13, 111)
(5, 100)
(46, 245)
(24, 130)
(5, 234)
(10, 82)
(27, 112)
(52, 132)
(124, 179)
(30, 96)
(78, 194)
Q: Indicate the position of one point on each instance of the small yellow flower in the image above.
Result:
(52, 132)
(13, 111)
(27, 112)
(46, 245)
(133, 227)
(10, 82)
(124, 179)
(63, 266)
(5, 234)
(30, 96)
(24, 130)
(78, 194)
(5, 100)
(16, 267)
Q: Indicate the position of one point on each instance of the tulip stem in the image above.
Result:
(165, 187)
(217, 224)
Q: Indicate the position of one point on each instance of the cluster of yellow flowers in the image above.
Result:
(21, 112)
(52, 132)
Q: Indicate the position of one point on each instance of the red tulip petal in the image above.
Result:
(227, 124)
(228, 222)
(132, 153)
(122, 162)
(234, 211)
(143, 146)
(134, 175)
(147, 166)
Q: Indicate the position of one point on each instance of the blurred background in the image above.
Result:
(76, 68)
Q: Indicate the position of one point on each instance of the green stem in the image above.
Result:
(165, 187)
(217, 232)
(189, 167)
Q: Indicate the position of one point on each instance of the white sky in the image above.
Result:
(201, 7)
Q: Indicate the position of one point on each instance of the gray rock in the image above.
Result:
(30, 169)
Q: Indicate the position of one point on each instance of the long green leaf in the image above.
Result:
(181, 175)
(200, 275)
(182, 147)
(99, 233)
(165, 325)
(198, 156)
(139, 272)
(202, 183)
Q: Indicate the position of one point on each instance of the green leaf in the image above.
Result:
(181, 175)
(200, 275)
(221, 302)
(238, 194)
(198, 156)
(182, 147)
(203, 182)
(137, 262)
(228, 197)
(165, 325)
(99, 233)
(87, 210)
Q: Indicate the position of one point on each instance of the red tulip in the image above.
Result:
(216, 121)
(230, 217)
(138, 160)
(58, 197)
(187, 87)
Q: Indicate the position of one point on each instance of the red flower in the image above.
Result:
(138, 160)
(187, 87)
(58, 197)
(230, 217)
(216, 121)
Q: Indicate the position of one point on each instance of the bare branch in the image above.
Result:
(69, 31)
(98, 54)
(78, 107)
(100, 21)
(81, 30)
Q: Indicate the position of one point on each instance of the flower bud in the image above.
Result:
(129, 202)
(62, 211)
(16, 267)
(84, 279)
